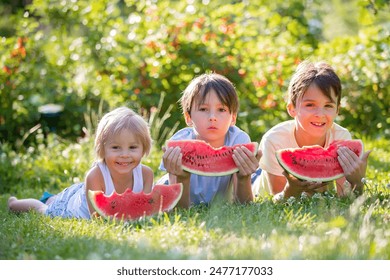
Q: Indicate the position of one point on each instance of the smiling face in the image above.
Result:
(210, 119)
(122, 152)
(314, 114)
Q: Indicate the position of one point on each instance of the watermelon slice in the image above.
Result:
(314, 163)
(132, 206)
(201, 158)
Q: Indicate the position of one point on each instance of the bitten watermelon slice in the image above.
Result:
(132, 206)
(200, 158)
(314, 163)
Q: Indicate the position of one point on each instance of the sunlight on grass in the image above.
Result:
(322, 227)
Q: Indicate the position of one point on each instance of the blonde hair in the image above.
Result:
(116, 121)
(200, 87)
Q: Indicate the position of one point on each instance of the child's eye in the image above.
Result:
(115, 147)
(133, 147)
(222, 109)
(202, 109)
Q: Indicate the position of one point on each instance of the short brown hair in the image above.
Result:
(116, 121)
(321, 74)
(201, 86)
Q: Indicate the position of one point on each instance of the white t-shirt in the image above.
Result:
(282, 136)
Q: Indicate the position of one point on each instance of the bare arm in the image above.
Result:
(185, 200)
(242, 188)
(94, 181)
(172, 162)
(277, 183)
(247, 164)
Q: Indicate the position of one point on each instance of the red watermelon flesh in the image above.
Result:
(132, 206)
(201, 158)
(314, 163)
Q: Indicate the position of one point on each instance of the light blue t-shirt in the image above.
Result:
(205, 188)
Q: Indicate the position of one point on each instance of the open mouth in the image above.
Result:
(318, 124)
(123, 163)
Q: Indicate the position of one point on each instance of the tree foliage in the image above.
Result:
(84, 53)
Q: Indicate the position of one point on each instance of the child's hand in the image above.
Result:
(295, 187)
(246, 161)
(172, 161)
(353, 166)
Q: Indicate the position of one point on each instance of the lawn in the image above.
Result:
(323, 227)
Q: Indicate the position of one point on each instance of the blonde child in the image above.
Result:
(210, 107)
(122, 139)
(314, 96)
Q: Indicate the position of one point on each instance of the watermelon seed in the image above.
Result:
(293, 159)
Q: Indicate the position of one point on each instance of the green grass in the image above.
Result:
(324, 227)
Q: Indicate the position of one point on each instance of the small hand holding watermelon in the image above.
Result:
(246, 161)
(172, 159)
(295, 187)
(354, 167)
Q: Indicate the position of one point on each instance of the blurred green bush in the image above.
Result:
(87, 55)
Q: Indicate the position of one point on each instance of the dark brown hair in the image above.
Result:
(321, 74)
(200, 86)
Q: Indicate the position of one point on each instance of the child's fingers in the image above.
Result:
(302, 184)
(171, 152)
(291, 177)
(245, 161)
(245, 150)
(171, 158)
(317, 187)
(176, 162)
(246, 154)
(259, 155)
(292, 181)
(365, 156)
(242, 165)
(287, 175)
(354, 167)
(347, 159)
(347, 154)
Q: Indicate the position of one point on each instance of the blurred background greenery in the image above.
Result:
(91, 56)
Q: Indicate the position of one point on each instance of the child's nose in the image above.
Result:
(212, 116)
(320, 111)
(125, 153)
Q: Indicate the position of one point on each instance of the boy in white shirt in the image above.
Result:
(314, 96)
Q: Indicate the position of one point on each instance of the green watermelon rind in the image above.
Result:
(92, 194)
(308, 178)
(213, 173)
(210, 174)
